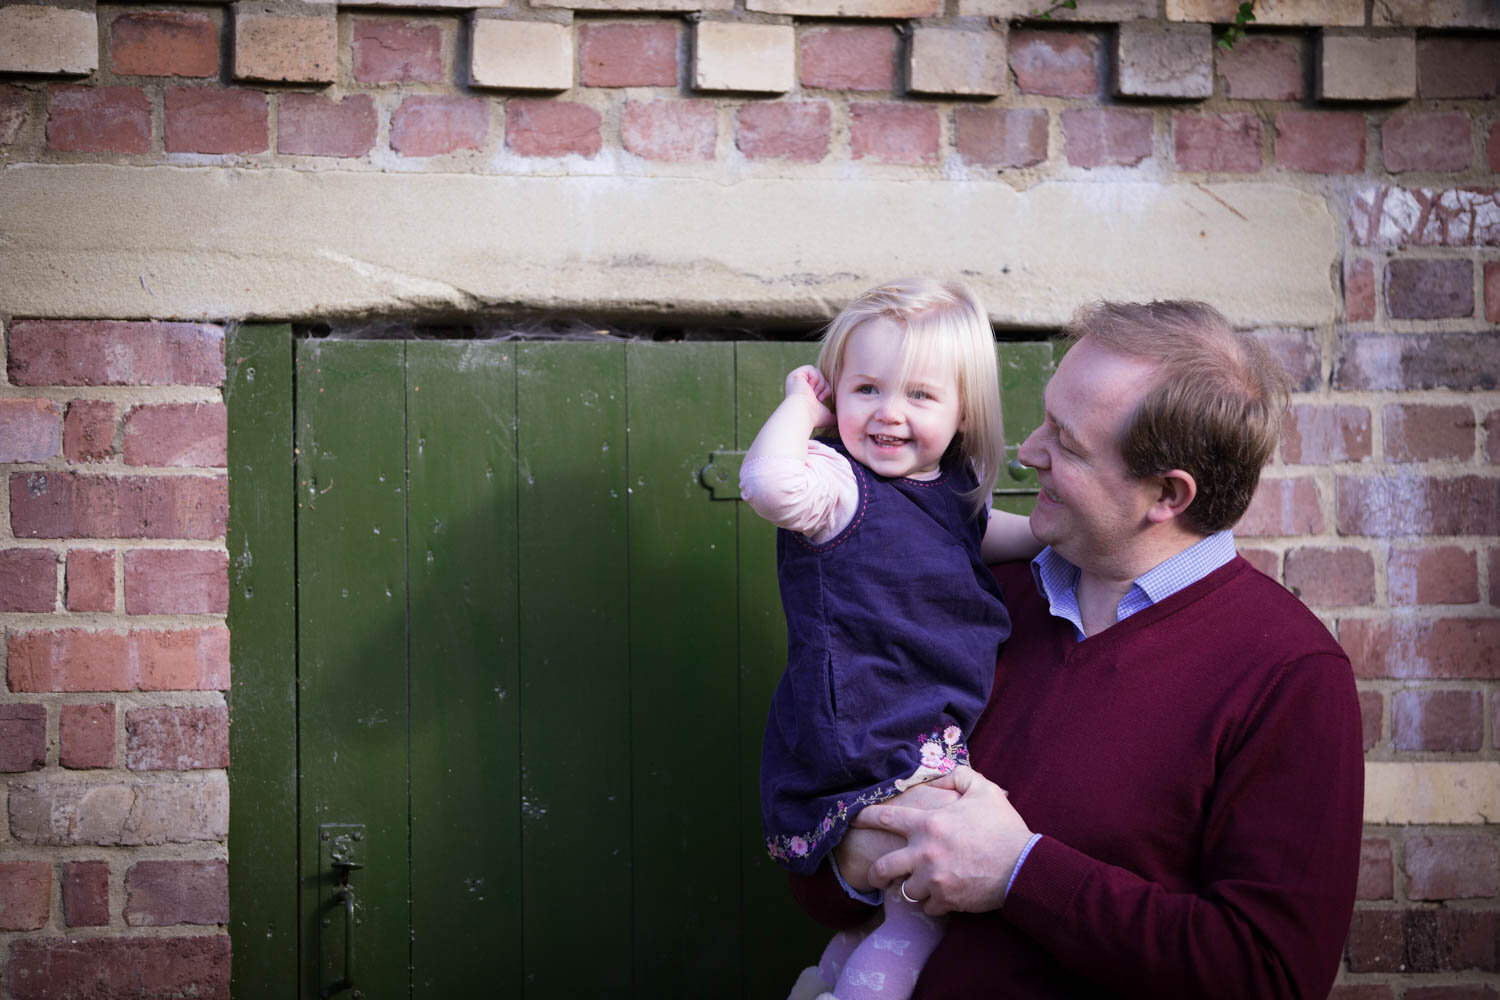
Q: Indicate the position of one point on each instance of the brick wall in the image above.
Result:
(1382, 509)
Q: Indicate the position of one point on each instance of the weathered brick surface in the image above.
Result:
(38, 38)
(1416, 941)
(1321, 142)
(855, 58)
(552, 128)
(521, 55)
(69, 352)
(1436, 14)
(433, 125)
(1435, 574)
(1055, 64)
(1409, 648)
(73, 659)
(164, 43)
(790, 130)
(1106, 11)
(15, 105)
(670, 130)
(89, 583)
(216, 120)
(1359, 290)
(1419, 432)
(893, 133)
(1371, 714)
(1456, 361)
(1364, 991)
(1001, 137)
(1299, 353)
(1153, 59)
(30, 430)
(1262, 69)
(1492, 445)
(848, 8)
(1228, 142)
(162, 893)
(1321, 434)
(314, 125)
(1396, 217)
(1457, 991)
(1417, 288)
(1280, 12)
(67, 505)
(752, 58)
(1439, 141)
(628, 55)
(1437, 720)
(1452, 866)
(1106, 138)
(25, 895)
(85, 893)
(1458, 67)
(89, 430)
(23, 737)
(387, 50)
(1283, 506)
(1331, 577)
(1376, 870)
(120, 813)
(177, 434)
(960, 63)
(28, 580)
(1267, 561)
(177, 739)
(275, 44)
(98, 119)
(1492, 282)
(1367, 68)
(131, 968)
(176, 581)
(86, 736)
(1418, 505)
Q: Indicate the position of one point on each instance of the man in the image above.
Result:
(1167, 781)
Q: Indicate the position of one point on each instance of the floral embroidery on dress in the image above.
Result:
(941, 751)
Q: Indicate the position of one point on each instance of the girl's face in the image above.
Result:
(897, 431)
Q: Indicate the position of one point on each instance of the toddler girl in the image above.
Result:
(893, 621)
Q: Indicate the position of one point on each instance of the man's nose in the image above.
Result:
(1031, 453)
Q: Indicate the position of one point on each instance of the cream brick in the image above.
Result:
(278, 43)
(521, 55)
(1436, 792)
(36, 39)
(1164, 60)
(1437, 13)
(848, 8)
(1362, 68)
(757, 58)
(1342, 13)
(1109, 11)
(664, 6)
(962, 63)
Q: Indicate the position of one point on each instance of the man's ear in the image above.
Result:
(1178, 488)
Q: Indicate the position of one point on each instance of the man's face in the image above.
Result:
(1090, 509)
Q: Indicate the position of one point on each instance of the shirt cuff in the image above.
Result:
(874, 897)
(1013, 872)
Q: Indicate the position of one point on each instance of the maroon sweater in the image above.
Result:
(1197, 774)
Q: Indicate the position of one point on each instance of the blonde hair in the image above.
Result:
(941, 322)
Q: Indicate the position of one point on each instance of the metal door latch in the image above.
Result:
(341, 850)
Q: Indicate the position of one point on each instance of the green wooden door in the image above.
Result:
(501, 653)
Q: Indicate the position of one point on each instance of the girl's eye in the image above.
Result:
(866, 388)
(919, 394)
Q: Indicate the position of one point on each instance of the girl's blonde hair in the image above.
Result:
(943, 322)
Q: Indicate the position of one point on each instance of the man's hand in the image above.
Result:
(859, 849)
(958, 857)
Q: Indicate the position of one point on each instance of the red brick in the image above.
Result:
(176, 581)
(86, 736)
(857, 58)
(1418, 432)
(1364, 991)
(1376, 872)
(130, 968)
(1455, 991)
(1436, 142)
(177, 435)
(552, 128)
(1371, 712)
(67, 352)
(1320, 434)
(1437, 720)
(1283, 507)
(216, 120)
(1492, 148)
(670, 130)
(89, 431)
(98, 120)
(1263, 69)
(28, 580)
(162, 893)
(1422, 648)
(66, 505)
(1494, 565)
(1321, 142)
(1417, 505)
(1098, 138)
(1452, 866)
(1267, 561)
(1400, 217)
(314, 125)
(894, 133)
(1055, 63)
(1001, 137)
(1429, 289)
(1376, 941)
(1451, 940)
(163, 43)
(15, 107)
(25, 895)
(1224, 143)
(85, 893)
(1359, 290)
(1437, 574)
(90, 580)
(628, 55)
(105, 814)
(1459, 361)
(74, 659)
(1324, 577)
(432, 125)
(30, 430)
(1458, 67)
(1492, 273)
(784, 130)
(1299, 353)
(23, 738)
(390, 51)
(177, 739)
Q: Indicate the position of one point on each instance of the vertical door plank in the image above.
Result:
(574, 669)
(1024, 370)
(684, 682)
(779, 941)
(351, 554)
(263, 694)
(465, 735)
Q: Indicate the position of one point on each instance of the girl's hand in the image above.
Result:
(809, 384)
